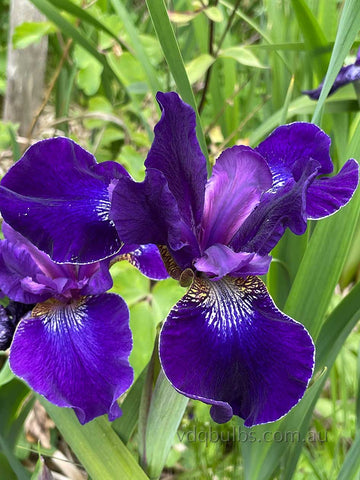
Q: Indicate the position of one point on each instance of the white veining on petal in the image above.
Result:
(59, 317)
(224, 303)
(102, 209)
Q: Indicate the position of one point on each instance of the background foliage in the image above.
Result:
(242, 65)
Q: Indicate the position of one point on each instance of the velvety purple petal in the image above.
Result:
(348, 74)
(277, 210)
(145, 258)
(42, 260)
(239, 178)
(58, 197)
(176, 153)
(76, 354)
(46, 278)
(219, 260)
(147, 212)
(225, 343)
(289, 148)
(18, 272)
(96, 278)
(327, 194)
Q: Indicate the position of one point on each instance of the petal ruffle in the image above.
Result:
(76, 354)
(176, 153)
(226, 344)
(289, 148)
(327, 194)
(145, 258)
(65, 209)
(219, 260)
(239, 178)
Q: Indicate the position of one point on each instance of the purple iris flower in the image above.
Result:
(348, 74)
(72, 341)
(224, 342)
(59, 198)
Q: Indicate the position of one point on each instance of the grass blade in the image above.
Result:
(349, 27)
(175, 61)
(166, 410)
(138, 48)
(313, 35)
(96, 445)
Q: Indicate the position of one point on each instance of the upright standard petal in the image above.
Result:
(147, 212)
(226, 344)
(289, 148)
(286, 207)
(58, 197)
(239, 178)
(76, 354)
(176, 153)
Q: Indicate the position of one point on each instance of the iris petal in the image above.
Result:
(176, 153)
(145, 258)
(29, 275)
(289, 148)
(277, 210)
(17, 271)
(225, 343)
(346, 75)
(327, 194)
(147, 212)
(76, 355)
(239, 178)
(219, 260)
(64, 210)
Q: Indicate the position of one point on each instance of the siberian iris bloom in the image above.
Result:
(225, 342)
(70, 341)
(347, 74)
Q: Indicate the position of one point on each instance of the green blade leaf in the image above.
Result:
(137, 45)
(68, 29)
(6, 375)
(313, 35)
(170, 47)
(351, 465)
(85, 16)
(349, 27)
(166, 410)
(125, 425)
(96, 445)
